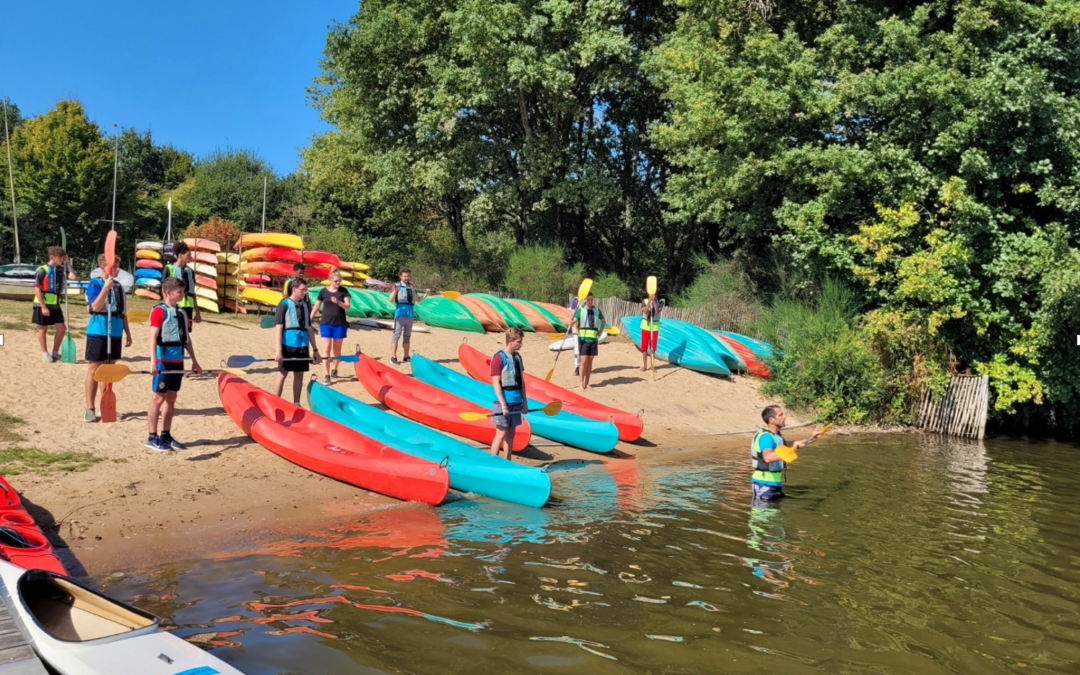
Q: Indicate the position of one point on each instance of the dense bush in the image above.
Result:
(540, 273)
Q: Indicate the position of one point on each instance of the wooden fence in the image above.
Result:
(960, 412)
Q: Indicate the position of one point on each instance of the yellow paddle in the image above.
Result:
(788, 454)
(110, 373)
(582, 293)
(650, 289)
(552, 408)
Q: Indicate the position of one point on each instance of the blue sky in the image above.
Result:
(199, 74)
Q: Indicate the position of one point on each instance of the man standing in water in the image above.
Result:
(768, 478)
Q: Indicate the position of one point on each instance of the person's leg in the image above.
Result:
(394, 339)
(337, 352)
(168, 409)
(577, 352)
(327, 344)
(644, 350)
(279, 382)
(586, 370)
(91, 385)
(406, 336)
(497, 442)
(42, 332)
(297, 386)
(510, 432)
(153, 412)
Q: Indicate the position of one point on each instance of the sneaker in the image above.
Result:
(393, 360)
(333, 373)
(407, 359)
(577, 370)
(46, 357)
(90, 415)
(56, 357)
(326, 380)
(154, 443)
(172, 443)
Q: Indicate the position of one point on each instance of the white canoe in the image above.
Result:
(150, 245)
(78, 631)
(386, 324)
(17, 289)
(568, 343)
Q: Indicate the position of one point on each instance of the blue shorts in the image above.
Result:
(513, 419)
(333, 331)
(163, 382)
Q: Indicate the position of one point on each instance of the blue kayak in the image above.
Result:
(147, 273)
(471, 469)
(679, 349)
(706, 339)
(564, 427)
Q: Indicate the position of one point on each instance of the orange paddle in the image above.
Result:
(108, 397)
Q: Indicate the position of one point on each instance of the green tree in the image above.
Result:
(229, 184)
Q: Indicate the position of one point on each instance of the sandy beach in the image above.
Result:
(135, 507)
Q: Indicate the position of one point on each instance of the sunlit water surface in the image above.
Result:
(895, 554)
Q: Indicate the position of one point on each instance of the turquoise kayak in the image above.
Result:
(436, 310)
(703, 337)
(564, 427)
(679, 349)
(471, 469)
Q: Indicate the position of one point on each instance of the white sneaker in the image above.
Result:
(46, 357)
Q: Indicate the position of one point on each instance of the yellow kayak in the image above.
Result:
(263, 295)
(232, 258)
(208, 305)
(344, 282)
(206, 293)
(147, 255)
(271, 239)
(205, 270)
(231, 282)
(361, 267)
(230, 269)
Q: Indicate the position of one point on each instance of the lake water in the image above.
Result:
(895, 554)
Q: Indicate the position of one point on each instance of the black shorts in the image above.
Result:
(588, 348)
(163, 382)
(97, 348)
(56, 315)
(295, 353)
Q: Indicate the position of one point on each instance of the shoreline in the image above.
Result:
(134, 508)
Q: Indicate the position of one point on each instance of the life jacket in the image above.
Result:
(650, 320)
(54, 284)
(187, 275)
(513, 370)
(769, 473)
(406, 294)
(114, 302)
(588, 323)
(174, 330)
(295, 334)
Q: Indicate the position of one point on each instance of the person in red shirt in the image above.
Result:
(170, 335)
(508, 378)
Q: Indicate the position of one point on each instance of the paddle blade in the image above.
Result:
(612, 330)
(825, 429)
(451, 295)
(108, 404)
(550, 372)
(240, 361)
(583, 289)
(786, 453)
(67, 349)
(138, 315)
(266, 322)
(110, 257)
(473, 416)
(650, 285)
(552, 408)
(111, 372)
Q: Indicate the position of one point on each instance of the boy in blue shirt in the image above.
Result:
(404, 296)
(108, 320)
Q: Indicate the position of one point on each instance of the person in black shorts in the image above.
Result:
(49, 284)
(333, 324)
(108, 324)
(170, 337)
(294, 336)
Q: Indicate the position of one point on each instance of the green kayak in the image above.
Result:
(510, 314)
(436, 310)
(372, 303)
(353, 310)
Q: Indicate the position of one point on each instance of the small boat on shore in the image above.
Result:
(78, 631)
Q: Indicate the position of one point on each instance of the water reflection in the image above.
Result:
(894, 555)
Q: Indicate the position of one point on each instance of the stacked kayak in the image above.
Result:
(22, 542)
(507, 313)
(679, 349)
(706, 339)
(430, 405)
(328, 448)
(374, 304)
(471, 469)
(564, 427)
(441, 312)
(263, 296)
(488, 317)
(543, 316)
(204, 254)
(754, 363)
(230, 284)
(477, 364)
(78, 631)
(149, 268)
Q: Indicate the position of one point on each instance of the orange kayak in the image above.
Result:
(488, 317)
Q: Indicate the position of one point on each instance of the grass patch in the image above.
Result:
(7, 428)
(14, 461)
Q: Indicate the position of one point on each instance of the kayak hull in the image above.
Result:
(488, 317)
(706, 339)
(328, 448)
(202, 245)
(37, 553)
(430, 405)
(507, 312)
(564, 427)
(282, 269)
(679, 350)
(630, 426)
(270, 239)
(754, 365)
(539, 322)
(471, 469)
(264, 296)
(446, 313)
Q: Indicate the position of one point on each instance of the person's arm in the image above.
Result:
(154, 330)
(767, 453)
(524, 394)
(194, 361)
(423, 294)
(496, 383)
(71, 270)
(127, 332)
(198, 313)
(347, 305)
(313, 343)
(315, 309)
(279, 330)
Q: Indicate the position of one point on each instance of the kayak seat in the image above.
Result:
(72, 613)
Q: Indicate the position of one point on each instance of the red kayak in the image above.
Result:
(206, 281)
(630, 426)
(148, 264)
(321, 258)
(282, 254)
(430, 405)
(326, 447)
(754, 364)
(257, 278)
(202, 245)
(21, 540)
(282, 269)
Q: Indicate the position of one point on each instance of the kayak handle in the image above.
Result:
(641, 413)
(445, 462)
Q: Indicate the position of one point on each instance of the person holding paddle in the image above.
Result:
(589, 321)
(108, 319)
(404, 296)
(766, 452)
(186, 274)
(508, 378)
(650, 328)
(333, 324)
(170, 336)
(49, 283)
(294, 335)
